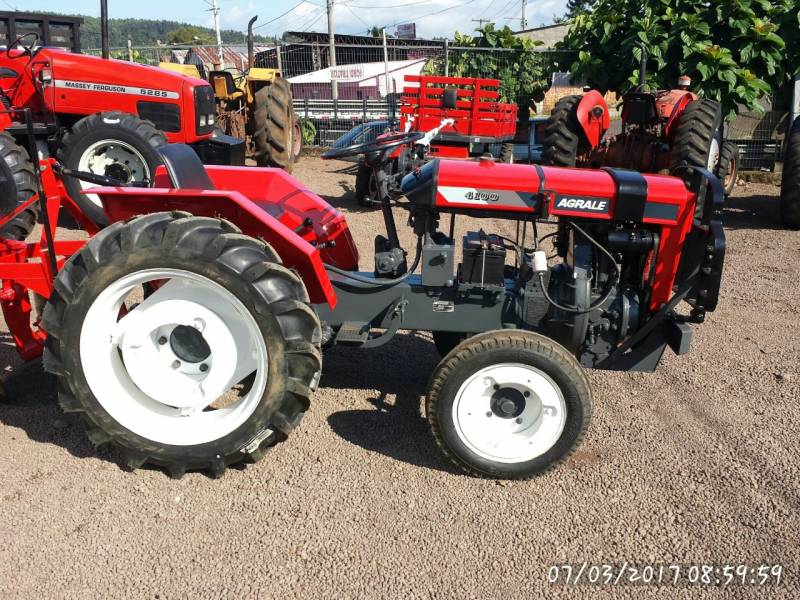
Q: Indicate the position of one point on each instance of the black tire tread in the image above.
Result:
(21, 168)
(697, 127)
(363, 179)
(506, 152)
(273, 116)
(728, 163)
(491, 340)
(790, 180)
(209, 239)
(563, 134)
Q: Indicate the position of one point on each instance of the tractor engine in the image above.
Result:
(621, 253)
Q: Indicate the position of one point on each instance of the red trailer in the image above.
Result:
(480, 119)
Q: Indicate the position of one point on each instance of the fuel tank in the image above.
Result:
(487, 187)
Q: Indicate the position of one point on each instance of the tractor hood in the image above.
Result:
(83, 84)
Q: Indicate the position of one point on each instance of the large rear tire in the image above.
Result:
(17, 185)
(698, 139)
(564, 138)
(508, 404)
(728, 168)
(115, 144)
(790, 181)
(507, 153)
(273, 137)
(210, 366)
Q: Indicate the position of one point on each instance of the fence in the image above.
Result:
(369, 79)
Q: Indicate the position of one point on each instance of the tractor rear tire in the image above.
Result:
(17, 185)
(698, 140)
(507, 153)
(273, 117)
(564, 138)
(728, 169)
(790, 181)
(297, 139)
(140, 393)
(508, 404)
(130, 143)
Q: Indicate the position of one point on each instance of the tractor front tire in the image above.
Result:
(182, 342)
(698, 140)
(273, 136)
(790, 181)
(116, 144)
(508, 404)
(728, 168)
(17, 185)
(564, 138)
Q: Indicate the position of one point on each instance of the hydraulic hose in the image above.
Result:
(380, 282)
(605, 296)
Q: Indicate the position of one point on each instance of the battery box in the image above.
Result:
(484, 259)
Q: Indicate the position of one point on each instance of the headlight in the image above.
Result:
(210, 119)
(203, 121)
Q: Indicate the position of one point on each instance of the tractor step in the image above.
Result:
(352, 333)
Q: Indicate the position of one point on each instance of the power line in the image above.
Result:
(390, 6)
(431, 14)
(282, 15)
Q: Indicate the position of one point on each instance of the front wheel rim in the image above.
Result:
(509, 413)
(113, 158)
(154, 377)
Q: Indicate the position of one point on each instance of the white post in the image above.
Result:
(332, 51)
(523, 20)
(215, 12)
(796, 98)
(386, 62)
(278, 54)
(446, 57)
(130, 52)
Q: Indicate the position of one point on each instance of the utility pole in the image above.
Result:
(480, 22)
(332, 52)
(523, 21)
(215, 12)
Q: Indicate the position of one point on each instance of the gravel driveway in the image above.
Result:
(697, 463)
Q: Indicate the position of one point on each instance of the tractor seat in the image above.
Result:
(184, 167)
(224, 85)
(186, 171)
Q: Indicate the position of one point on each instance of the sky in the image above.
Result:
(432, 17)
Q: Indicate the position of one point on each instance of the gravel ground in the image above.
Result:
(696, 463)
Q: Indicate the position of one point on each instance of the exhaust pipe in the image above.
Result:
(250, 51)
(104, 28)
(642, 67)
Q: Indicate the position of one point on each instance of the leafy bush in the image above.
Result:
(736, 51)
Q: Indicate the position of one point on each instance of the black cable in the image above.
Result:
(380, 282)
(605, 296)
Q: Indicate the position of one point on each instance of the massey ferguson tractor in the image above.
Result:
(660, 130)
(189, 332)
(101, 116)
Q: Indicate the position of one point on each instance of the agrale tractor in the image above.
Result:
(660, 130)
(190, 331)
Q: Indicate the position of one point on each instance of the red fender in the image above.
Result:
(268, 205)
(671, 107)
(594, 126)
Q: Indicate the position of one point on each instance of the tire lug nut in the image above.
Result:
(162, 340)
(176, 364)
(489, 414)
(497, 387)
(203, 367)
(527, 394)
(519, 420)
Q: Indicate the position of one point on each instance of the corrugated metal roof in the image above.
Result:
(233, 56)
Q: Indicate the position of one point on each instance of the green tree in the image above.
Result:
(523, 73)
(189, 34)
(575, 7)
(734, 50)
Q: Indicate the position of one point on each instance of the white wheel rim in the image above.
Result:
(112, 156)
(536, 424)
(713, 155)
(132, 372)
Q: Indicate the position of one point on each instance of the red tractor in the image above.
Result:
(102, 116)
(189, 332)
(660, 130)
(463, 115)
